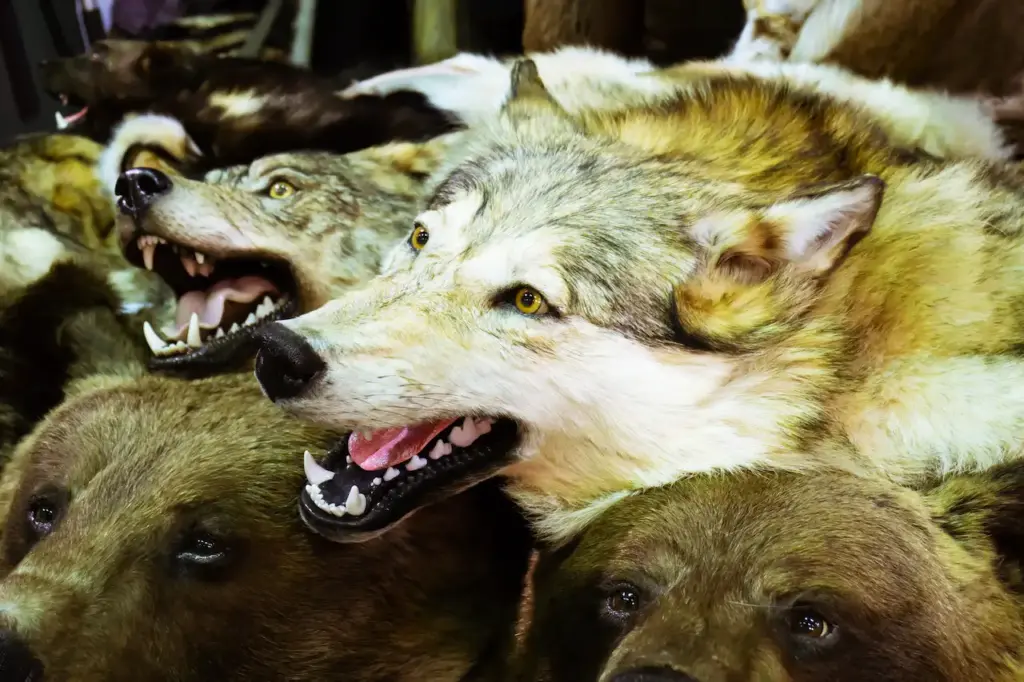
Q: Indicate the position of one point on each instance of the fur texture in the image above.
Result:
(134, 549)
(789, 578)
(742, 275)
(965, 46)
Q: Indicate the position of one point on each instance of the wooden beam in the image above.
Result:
(616, 25)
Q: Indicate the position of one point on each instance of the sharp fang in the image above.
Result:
(375, 481)
(219, 334)
(268, 302)
(250, 320)
(348, 459)
(156, 344)
(391, 473)
(356, 502)
(148, 252)
(200, 258)
(206, 269)
(194, 338)
(415, 463)
(62, 123)
(234, 328)
(315, 474)
(440, 449)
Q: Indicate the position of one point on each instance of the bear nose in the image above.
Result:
(286, 364)
(17, 663)
(651, 674)
(137, 188)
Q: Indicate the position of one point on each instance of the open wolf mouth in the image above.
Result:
(77, 108)
(221, 302)
(369, 483)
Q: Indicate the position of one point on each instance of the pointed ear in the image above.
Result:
(527, 97)
(985, 513)
(818, 227)
(404, 166)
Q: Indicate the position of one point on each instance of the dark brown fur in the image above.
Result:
(721, 578)
(138, 475)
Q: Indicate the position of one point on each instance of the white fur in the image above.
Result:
(26, 254)
(163, 131)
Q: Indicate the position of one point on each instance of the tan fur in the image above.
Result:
(721, 578)
(964, 46)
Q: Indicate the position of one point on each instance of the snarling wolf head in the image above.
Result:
(786, 577)
(245, 245)
(236, 109)
(593, 305)
(134, 550)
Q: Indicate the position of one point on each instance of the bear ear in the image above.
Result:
(817, 227)
(985, 512)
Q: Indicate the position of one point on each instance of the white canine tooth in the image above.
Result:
(315, 473)
(440, 449)
(194, 338)
(156, 344)
(148, 252)
(356, 502)
(62, 123)
(189, 264)
(376, 481)
(200, 258)
(234, 328)
(391, 473)
(219, 333)
(267, 302)
(348, 459)
(249, 320)
(415, 463)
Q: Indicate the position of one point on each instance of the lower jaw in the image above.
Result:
(218, 356)
(384, 513)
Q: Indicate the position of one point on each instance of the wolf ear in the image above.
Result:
(810, 232)
(528, 98)
(985, 513)
(403, 167)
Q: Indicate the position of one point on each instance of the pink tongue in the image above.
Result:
(74, 118)
(209, 304)
(388, 447)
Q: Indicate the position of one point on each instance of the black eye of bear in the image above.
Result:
(204, 556)
(42, 516)
(808, 626)
(623, 601)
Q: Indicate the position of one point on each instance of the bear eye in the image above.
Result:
(204, 555)
(623, 601)
(281, 190)
(419, 237)
(807, 626)
(43, 513)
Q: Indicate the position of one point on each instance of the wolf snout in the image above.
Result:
(17, 662)
(286, 365)
(649, 674)
(137, 188)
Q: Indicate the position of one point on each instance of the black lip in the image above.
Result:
(390, 503)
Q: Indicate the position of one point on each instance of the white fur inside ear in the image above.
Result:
(148, 129)
(815, 227)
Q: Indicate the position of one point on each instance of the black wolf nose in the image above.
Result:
(137, 188)
(650, 674)
(286, 364)
(17, 664)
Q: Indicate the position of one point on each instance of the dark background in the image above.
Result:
(349, 33)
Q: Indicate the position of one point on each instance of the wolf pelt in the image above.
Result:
(743, 275)
(964, 46)
(473, 87)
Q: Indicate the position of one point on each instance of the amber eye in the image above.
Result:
(810, 624)
(281, 190)
(529, 302)
(419, 237)
(624, 600)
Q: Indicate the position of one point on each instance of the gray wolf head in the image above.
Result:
(588, 306)
(249, 244)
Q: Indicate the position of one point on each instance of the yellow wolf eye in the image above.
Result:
(419, 237)
(281, 190)
(530, 302)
